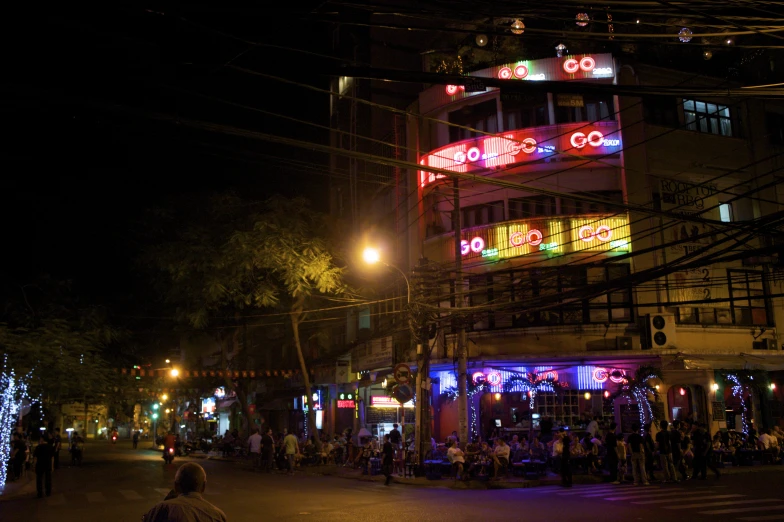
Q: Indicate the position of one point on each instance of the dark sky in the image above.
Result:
(82, 156)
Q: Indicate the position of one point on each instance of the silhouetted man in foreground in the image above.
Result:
(188, 505)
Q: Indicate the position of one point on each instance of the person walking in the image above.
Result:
(254, 447)
(267, 451)
(676, 438)
(387, 460)
(566, 461)
(701, 442)
(135, 439)
(665, 453)
(637, 446)
(611, 443)
(43, 455)
(394, 436)
(291, 444)
(650, 449)
(57, 445)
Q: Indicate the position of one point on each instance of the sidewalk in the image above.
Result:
(23, 487)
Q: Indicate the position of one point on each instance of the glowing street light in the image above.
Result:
(168, 361)
(164, 397)
(155, 406)
(371, 255)
(174, 372)
(168, 410)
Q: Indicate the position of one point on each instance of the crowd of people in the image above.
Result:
(41, 455)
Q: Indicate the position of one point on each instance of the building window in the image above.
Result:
(748, 303)
(559, 292)
(661, 110)
(364, 318)
(531, 112)
(774, 122)
(706, 117)
(725, 212)
(482, 117)
(482, 214)
(595, 108)
(536, 206)
(748, 298)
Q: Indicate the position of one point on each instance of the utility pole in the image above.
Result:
(462, 355)
(422, 406)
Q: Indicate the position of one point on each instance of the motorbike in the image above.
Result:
(168, 455)
(114, 439)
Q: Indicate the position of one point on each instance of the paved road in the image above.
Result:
(119, 484)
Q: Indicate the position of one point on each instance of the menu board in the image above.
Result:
(630, 413)
(387, 415)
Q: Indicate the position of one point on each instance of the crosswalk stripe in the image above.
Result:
(652, 494)
(741, 510)
(130, 494)
(717, 504)
(625, 491)
(95, 496)
(664, 501)
(767, 517)
(56, 500)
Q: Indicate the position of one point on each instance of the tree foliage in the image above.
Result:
(233, 258)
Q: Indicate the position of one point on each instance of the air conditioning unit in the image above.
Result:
(764, 344)
(659, 331)
(623, 343)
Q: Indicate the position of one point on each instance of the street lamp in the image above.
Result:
(174, 372)
(372, 256)
(164, 397)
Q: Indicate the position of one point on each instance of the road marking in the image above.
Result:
(698, 499)
(769, 517)
(618, 491)
(741, 510)
(56, 500)
(717, 504)
(652, 494)
(95, 496)
(130, 494)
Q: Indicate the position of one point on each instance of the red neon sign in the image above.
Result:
(533, 238)
(345, 404)
(602, 233)
(520, 146)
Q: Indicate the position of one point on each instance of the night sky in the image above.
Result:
(84, 150)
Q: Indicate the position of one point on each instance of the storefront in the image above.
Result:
(507, 398)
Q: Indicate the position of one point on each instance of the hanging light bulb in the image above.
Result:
(707, 55)
(587, 396)
(729, 41)
(684, 35)
(518, 27)
(481, 40)
(637, 21)
(582, 19)
(682, 391)
(559, 50)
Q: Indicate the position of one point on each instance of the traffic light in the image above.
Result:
(155, 406)
(154, 415)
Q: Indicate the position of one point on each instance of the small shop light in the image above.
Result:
(175, 372)
(42, 428)
(657, 387)
(606, 394)
(168, 410)
(587, 396)
(342, 396)
(714, 386)
(682, 391)
(497, 396)
(168, 361)
(164, 397)
(773, 386)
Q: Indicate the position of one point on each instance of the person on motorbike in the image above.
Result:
(169, 441)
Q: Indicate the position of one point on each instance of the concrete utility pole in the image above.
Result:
(462, 355)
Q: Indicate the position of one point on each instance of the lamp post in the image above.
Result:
(371, 257)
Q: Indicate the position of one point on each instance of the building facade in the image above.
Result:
(600, 234)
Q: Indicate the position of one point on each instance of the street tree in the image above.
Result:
(230, 259)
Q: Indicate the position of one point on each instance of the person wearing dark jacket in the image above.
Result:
(701, 441)
(650, 449)
(566, 464)
(611, 443)
(676, 438)
(388, 459)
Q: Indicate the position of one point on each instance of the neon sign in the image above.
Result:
(493, 378)
(345, 404)
(476, 245)
(602, 233)
(533, 238)
(518, 146)
(380, 401)
(616, 375)
(599, 234)
(585, 64)
(490, 252)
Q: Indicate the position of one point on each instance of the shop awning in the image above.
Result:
(741, 361)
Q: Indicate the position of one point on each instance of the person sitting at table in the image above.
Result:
(500, 457)
(514, 445)
(536, 446)
(456, 457)
(577, 449)
(717, 444)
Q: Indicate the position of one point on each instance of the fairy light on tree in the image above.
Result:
(12, 392)
(638, 390)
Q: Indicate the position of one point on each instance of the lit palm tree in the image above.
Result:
(638, 389)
